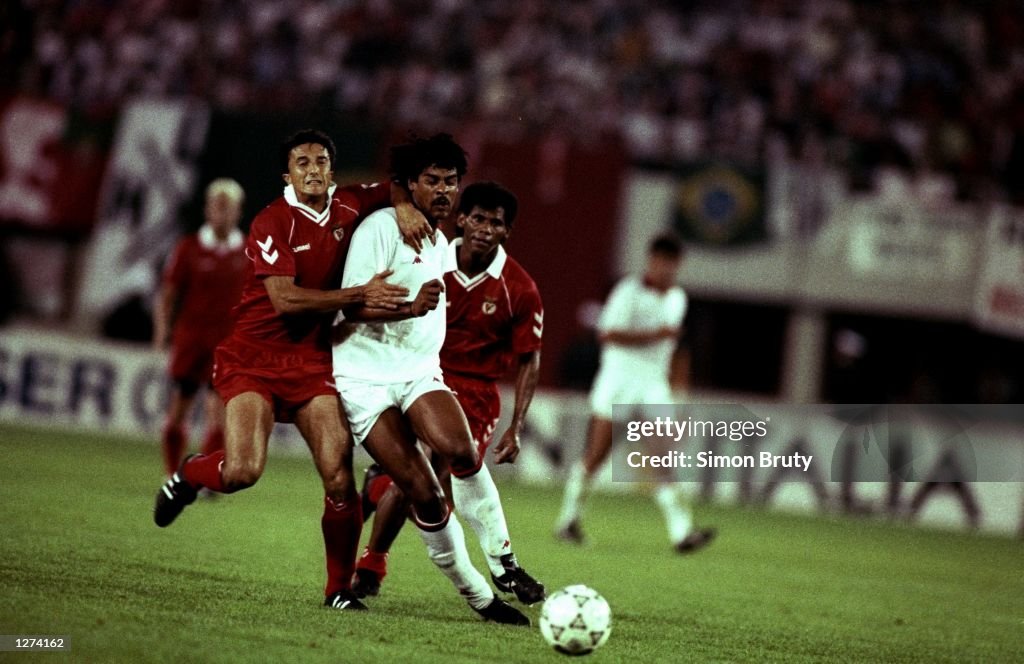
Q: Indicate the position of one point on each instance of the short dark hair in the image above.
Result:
(489, 196)
(301, 138)
(668, 245)
(416, 155)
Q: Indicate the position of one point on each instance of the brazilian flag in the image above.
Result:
(719, 204)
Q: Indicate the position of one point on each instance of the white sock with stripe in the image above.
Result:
(446, 546)
(476, 498)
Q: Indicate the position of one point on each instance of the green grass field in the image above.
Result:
(240, 578)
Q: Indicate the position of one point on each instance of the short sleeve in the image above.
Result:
(373, 248)
(268, 248)
(616, 312)
(528, 324)
(675, 308)
(176, 272)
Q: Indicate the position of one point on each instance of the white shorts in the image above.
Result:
(609, 389)
(364, 401)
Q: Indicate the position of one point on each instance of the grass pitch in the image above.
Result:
(240, 578)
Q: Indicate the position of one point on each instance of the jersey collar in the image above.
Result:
(320, 218)
(493, 270)
(208, 239)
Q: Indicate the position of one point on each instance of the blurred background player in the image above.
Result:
(276, 365)
(387, 369)
(495, 320)
(202, 282)
(639, 327)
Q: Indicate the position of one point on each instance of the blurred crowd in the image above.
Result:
(929, 88)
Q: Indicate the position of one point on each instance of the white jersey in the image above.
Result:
(394, 351)
(633, 307)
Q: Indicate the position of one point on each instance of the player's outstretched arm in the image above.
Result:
(636, 337)
(411, 223)
(427, 299)
(289, 298)
(526, 383)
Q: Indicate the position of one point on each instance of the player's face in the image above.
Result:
(222, 213)
(662, 270)
(483, 230)
(433, 192)
(309, 171)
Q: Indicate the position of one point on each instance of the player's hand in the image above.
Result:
(413, 226)
(428, 298)
(508, 448)
(379, 294)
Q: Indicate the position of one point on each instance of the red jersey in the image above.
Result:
(208, 275)
(291, 239)
(492, 318)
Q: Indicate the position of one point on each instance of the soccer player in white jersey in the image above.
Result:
(638, 329)
(387, 369)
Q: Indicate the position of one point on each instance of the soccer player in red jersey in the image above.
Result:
(201, 284)
(495, 321)
(276, 365)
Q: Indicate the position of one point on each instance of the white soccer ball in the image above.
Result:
(576, 620)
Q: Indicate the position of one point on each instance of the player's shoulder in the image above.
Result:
(352, 192)
(628, 284)
(382, 221)
(276, 212)
(515, 272)
(188, 242)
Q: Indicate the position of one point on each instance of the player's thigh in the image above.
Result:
(322, 424)
(214, 407)
(249, 419)
(392, 444)
(438, 421)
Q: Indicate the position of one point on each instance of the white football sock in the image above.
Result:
(476, 498)
(576, 486)
(678, 519)
(447, 548)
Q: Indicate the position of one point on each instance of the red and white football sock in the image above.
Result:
(341, 525)
(203, 470)
(446, 546)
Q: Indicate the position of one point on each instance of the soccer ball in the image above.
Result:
(576, 620)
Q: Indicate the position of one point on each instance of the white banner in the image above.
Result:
(151, 173)
(897, 239)
(54, 380)
(57, 380)
(999, 297)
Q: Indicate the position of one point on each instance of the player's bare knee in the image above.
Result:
(428, 501)
(465, 462)
(240, 474)
(340, 488)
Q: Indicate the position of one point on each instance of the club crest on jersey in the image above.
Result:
(489, 306)
(339, 233)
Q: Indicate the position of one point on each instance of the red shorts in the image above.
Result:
(286, 376)
(481, 402)
(191, 363)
